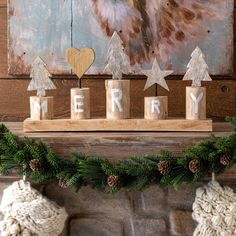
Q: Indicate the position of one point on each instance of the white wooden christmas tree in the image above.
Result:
(197, 68)
(41, 107)
(40, 78)
(117, 61)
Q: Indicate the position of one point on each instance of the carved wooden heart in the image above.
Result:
(80, 60)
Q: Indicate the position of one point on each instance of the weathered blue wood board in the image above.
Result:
(39, 28)
(167, 30)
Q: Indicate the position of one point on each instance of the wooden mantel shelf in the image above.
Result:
(120, 145)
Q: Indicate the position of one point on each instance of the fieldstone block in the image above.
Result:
(151, 202)
(181, 222)
(148, 227)
(184, 196)
(96, 227)
(88, 201)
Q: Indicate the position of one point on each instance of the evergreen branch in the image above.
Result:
(41, 163)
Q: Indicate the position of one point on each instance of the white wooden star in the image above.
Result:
(156, 76)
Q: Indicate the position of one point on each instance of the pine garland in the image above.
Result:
(39, 163)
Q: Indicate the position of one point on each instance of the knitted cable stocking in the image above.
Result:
(215, 211)
(28, 213)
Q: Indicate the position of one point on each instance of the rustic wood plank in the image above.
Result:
(3, 42)
(80, 60)
(121, 145)
(3, 3)
(117, 125)
(128, 143)
(39, 28)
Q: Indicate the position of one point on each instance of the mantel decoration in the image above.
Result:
(118, 96)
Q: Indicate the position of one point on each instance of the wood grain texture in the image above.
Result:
(117, 99)
(41, 108)
(195, 103)
(156, 108)
(117, 125)
(80, 103)
(44, 30)
(80, 60)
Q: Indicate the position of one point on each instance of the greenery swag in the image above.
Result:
(40, 164)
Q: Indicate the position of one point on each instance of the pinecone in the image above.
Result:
(113, 181)
(226, 159)
(63, 183)
(194, 166)
(35, 165)
(164, 167)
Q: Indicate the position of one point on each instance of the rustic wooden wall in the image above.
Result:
(14, 102)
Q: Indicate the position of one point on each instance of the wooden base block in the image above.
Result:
(41, 108)
(80, 103)
(117, 99)
(156, 108)
(117, 125)
(195, 103)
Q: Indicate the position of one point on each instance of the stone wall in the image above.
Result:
(154, 212)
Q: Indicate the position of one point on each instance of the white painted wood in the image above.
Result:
(197, 68)
(40, 78)
(156, 76)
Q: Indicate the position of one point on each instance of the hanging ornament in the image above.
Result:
(215, 210)
(194, 166)
(164, 167)
(226, 159)
(28, 213)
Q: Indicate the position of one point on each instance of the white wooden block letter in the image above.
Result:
(43, 106)
(116, 95)
(196, 101)
(156, 106)
(79, 103)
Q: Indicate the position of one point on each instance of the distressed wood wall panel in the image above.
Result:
(38, 28)
(171, 37)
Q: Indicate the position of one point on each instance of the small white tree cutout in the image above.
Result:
(197, 68)
(117, 61)
(40, 78)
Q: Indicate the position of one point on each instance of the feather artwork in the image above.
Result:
(167, 30)
(155, 28)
